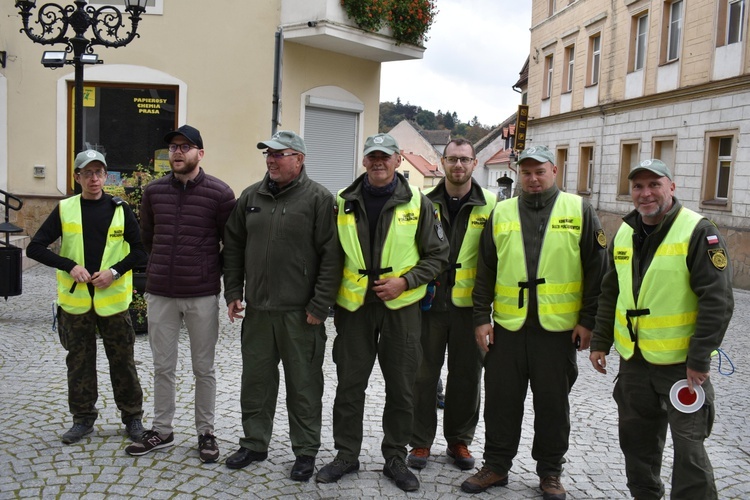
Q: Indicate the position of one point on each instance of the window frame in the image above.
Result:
(712, 170)
(586, 166)
(595, 57)
(740, 25)
(640, 41)
(673, 30)
(93, 99)
(561, 162)
(156, 9)
(549, 70)
(569, 68)
(630, 150)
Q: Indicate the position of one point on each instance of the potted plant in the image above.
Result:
(132, 192)
(409, 20)
(139, 311)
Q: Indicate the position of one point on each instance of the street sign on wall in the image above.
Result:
(521, 119)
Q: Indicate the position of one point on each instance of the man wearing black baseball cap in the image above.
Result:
(665, 305)
(182, 223)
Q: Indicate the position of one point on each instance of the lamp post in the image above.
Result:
(504, 190)
(105, 23)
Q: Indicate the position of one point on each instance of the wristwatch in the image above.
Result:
(115, 274)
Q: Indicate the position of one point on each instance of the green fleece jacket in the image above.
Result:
(283, 249)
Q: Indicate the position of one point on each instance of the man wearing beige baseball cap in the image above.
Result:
(282, 258)
(394, 245)
(540, 262)
(100, 244)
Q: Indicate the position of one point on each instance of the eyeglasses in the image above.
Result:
(88, 174)
(182, 147)
(278, 156)
(452, 160)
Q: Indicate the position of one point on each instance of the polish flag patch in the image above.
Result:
(712, 239)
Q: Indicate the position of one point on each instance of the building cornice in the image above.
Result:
(710, 89)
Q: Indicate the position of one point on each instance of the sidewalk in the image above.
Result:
(35, 464)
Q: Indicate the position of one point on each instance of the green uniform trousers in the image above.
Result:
(642, 396)
(454, 329)
(267, 338)
(393, 337)
(546, 361)
(78, 335)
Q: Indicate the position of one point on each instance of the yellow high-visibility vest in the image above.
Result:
(559, 281)
(400, 253)
(466, 261)
(111, 300)
(663, 320)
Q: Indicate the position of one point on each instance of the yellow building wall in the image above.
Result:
(227, 71)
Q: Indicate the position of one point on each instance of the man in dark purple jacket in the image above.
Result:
(182, 226)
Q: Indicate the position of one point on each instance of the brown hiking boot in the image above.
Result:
(417, 458)
(482, 480)
(552, 488)
(461, 456)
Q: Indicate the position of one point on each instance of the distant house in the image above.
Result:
(437, 138)
(420, 172)
(493, 155)
(414, 139)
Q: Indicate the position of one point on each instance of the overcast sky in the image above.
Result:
(476, 49)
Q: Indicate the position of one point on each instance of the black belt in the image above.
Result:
(634, 313)
(374, 273)
(527, 284)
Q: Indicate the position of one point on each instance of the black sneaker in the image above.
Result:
(395, 468)
(75, 433)
(336, 470)
(303, 468)
(150, 441)
(135, 429)
(208, 450)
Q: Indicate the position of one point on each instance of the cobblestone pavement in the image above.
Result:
(34, 415)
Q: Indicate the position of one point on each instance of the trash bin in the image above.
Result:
(11, 271)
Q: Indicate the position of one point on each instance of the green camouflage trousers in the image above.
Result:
(78, 335)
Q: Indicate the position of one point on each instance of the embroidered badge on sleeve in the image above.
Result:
(718, 258)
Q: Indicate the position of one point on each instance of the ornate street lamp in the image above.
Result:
(105, 23)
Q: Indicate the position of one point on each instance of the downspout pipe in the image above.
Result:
(277, 68)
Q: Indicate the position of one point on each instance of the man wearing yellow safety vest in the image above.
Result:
(464, 209)
(393, 245)
(666, 303)
(100, 244)
(540, 263)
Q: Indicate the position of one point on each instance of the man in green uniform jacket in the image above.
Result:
(541, 260)
(394, 245)
(280, 247)
(666, 303)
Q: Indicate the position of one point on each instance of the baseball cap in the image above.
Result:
(381, 142)
(190, 133)
(656, 166)
(86, 157)
(285, 139)
(539, 153)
